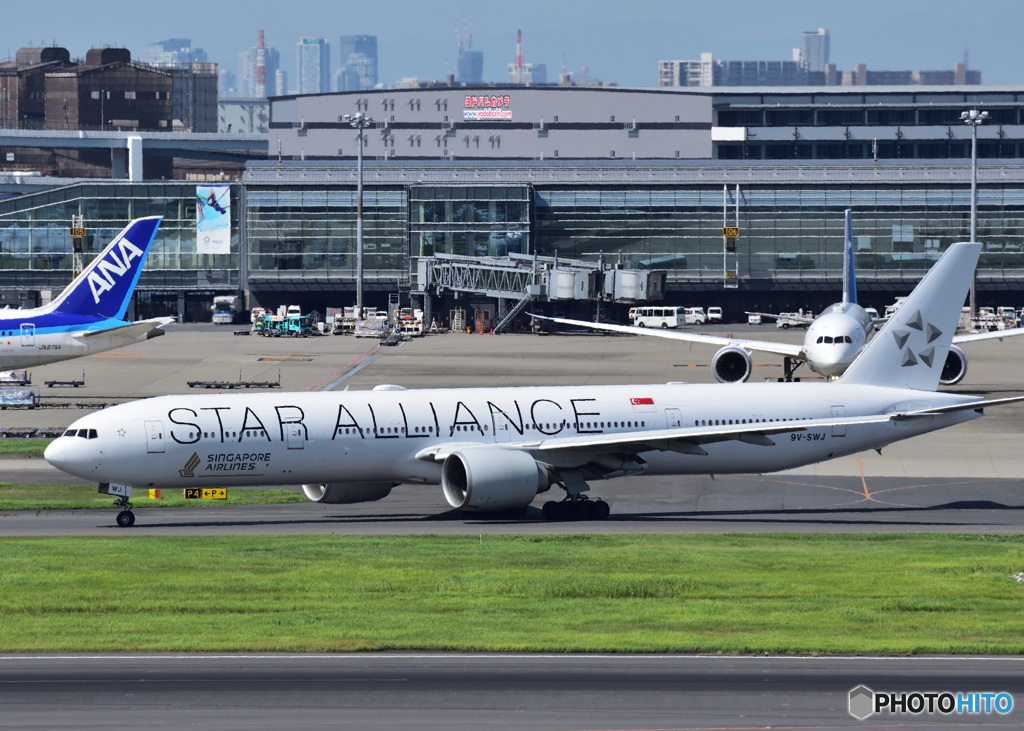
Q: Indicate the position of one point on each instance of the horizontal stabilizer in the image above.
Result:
(134, 330)
(971, 406)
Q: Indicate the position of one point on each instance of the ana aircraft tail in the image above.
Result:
(104, 288)
(911, 348)
(849, 273)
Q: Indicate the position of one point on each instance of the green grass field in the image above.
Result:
(74, 497)
(23, 446)
(811, 594)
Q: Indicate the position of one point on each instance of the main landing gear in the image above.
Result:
(126, 518)
(576, 505)
(583, 508)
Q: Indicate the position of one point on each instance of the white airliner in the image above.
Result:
(496, 448)
(832, 342)
(87, 317)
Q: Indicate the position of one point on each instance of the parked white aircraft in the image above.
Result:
(832, 342)
(86, 317)
(497, 448)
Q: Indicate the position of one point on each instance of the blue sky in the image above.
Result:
(620, 42)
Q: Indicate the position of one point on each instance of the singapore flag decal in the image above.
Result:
(641, 405)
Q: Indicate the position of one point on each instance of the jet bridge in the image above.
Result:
(517, 280)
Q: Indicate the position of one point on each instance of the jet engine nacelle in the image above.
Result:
(955, 367)
(347, 492)
(731, 365)
(492, 479)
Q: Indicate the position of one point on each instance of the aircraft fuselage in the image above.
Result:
(353, 436)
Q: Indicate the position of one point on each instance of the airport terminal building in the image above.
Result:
(647, 179)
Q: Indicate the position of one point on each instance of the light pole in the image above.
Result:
(360, 121)
(974, 118)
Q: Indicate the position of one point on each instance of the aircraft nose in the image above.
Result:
(56, 453)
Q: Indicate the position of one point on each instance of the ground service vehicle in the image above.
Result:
(663, 317)
(226, 309)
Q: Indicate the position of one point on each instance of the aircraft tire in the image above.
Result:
(601, 510)
(126, 519)
(550, 510)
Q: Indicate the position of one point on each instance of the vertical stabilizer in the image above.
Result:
(104, 288)
(849, 272)
(911, 348)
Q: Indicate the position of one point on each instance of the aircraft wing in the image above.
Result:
(131, 329)
(994, 335)
(689, 440)
(793, 350)
(685, 439)
(682, 439)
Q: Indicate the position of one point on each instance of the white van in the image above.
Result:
(714, 314)
(663, 317)
(695, 316)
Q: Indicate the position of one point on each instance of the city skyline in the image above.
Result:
(618, 44)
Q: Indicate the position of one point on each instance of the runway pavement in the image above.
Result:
(474, 691)
(780, 503)
(967, 478)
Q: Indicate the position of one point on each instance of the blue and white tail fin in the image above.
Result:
(849, 272)
(104, 288)
(911, 349)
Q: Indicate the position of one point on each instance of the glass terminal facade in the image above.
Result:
(293, 240)
(36, 251)
(786, 232)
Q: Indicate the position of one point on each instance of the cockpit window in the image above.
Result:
(828, 340)
(84, 433)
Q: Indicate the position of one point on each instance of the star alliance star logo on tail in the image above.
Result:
(931, 334)
(190, 466)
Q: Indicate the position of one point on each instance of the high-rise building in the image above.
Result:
(313, 63)
(814, 49)
(173, 51)
(248, 78)
(471, 67)
(280, 82)
(357, 59)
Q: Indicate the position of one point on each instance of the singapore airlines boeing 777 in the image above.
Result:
(496, 448)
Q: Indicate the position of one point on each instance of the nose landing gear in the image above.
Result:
(126, 518)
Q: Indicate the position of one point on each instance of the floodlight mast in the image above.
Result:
(974, 119)
(360, 122)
